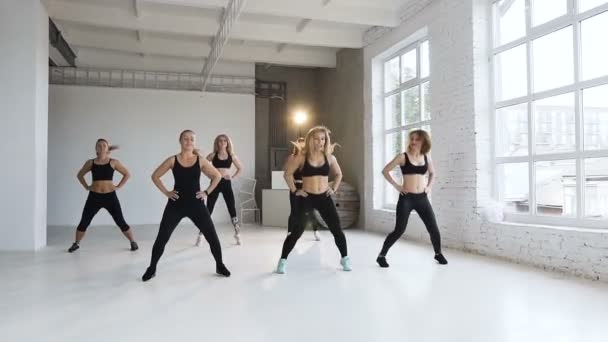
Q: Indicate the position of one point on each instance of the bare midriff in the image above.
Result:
(315, 184)
(413, 183)
(224, 172)
(102, 186)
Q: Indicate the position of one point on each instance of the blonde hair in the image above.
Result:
(297, 146)
(328, 149)
(216, 144)
(426, 140)
(195, 151)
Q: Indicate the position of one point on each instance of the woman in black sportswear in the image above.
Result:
(315, 163)
(222, 158)
(297, 178)
(102, 192)
(186, 200)
(413, 192)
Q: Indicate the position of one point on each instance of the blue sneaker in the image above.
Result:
(346, 266)
(281, 266)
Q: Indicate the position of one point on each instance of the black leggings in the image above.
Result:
(304, 207)
(407, 203)
(196, 211)
(96, 201)
(225, 187)
(292, 213)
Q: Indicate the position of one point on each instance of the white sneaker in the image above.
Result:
(281, 266)
(346, 264)
(317, 235)
(199, 239)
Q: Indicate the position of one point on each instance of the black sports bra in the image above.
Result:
(102, 172)
(310, 171)
(410, 169)
(221, 163)
(297, 175)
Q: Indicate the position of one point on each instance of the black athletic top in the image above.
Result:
(410, 169)
(187, 179)
(309, 170)
(102, 172)
(221, 163)
(297, 177)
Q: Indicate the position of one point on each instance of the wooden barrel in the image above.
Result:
(347, 205)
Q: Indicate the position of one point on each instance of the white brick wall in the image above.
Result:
(460, 105)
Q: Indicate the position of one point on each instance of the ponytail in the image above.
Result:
(298, 146)
(331, 148)
(297, 149)
(110, 147)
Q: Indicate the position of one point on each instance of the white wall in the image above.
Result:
(24, 39)
(458, 35)
(146, 124)
(41, 130)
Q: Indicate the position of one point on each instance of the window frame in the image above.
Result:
(417, 81)
(574, 19)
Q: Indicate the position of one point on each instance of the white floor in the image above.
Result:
(96, 294)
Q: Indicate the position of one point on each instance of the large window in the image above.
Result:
(406, 105)
(551, 110)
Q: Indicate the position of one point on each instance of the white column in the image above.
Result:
(24, 45)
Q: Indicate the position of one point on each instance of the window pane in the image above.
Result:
(411, 105)
(595, 117)
(513, 190)
(392, 111)
(391, 196)
(554, 122)
(511, 80)
(512, 131)
(556, 187)
(408, 66)
(589, 4)
(426, 100)
(553, 60)
(510, 21)
(394, 144)
(547, 10)
(596, 188)
(593, 46)
(391, 74)
(424, 62)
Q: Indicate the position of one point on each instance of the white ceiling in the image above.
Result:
(176, 35)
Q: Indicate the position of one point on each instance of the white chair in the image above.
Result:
(247, 201)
